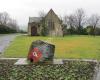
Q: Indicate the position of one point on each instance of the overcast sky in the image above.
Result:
(22, 9)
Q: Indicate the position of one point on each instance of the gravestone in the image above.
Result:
(41, 51)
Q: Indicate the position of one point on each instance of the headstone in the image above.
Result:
(41, 51)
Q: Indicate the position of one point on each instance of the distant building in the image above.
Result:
(51, 22)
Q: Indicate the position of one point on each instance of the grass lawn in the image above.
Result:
(66, 47)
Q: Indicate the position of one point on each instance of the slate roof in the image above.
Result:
(38, 19)
(34, 19)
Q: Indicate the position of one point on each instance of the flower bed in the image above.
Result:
(70, 70)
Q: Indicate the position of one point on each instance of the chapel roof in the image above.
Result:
(34, 19)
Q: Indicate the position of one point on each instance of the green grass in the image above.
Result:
(87, 47)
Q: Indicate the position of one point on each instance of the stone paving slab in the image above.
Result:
(89, 60)
(10, 58)
(57, 61)
(23, 61)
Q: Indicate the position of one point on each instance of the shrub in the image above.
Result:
(5, 29)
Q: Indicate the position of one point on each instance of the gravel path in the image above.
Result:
(5, 41)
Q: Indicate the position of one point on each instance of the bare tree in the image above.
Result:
(43, 25)
(65, 20)
(42, 14)
(13, 24)
(94, 21)
(0, 18)
(4, 18)
(70, 22)
(79, 19)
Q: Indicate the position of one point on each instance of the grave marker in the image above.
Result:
(41, 51)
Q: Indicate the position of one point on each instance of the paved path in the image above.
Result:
(5, 40)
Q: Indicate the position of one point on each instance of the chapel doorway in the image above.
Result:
(33, 31)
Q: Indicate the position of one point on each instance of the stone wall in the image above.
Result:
(57, 24)
(29, 28)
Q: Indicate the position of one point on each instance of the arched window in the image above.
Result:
(50, 24)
